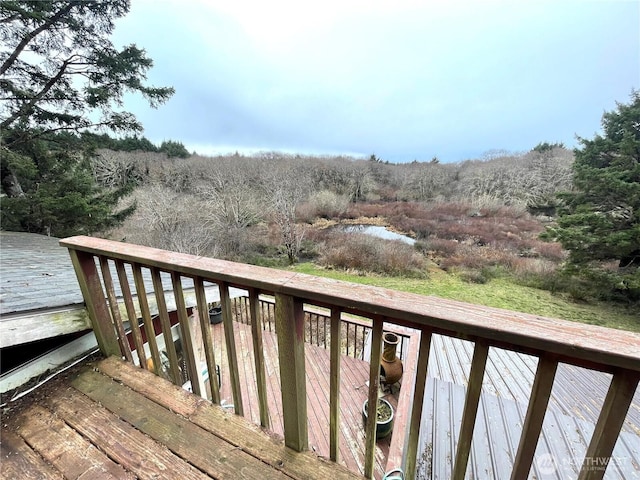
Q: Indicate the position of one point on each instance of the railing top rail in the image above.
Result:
(588, 344)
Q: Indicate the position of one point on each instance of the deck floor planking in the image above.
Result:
(353, 393)
(111, 419)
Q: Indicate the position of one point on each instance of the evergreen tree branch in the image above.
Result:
(34, 33)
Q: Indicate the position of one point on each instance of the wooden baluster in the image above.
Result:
(418, 401)
(94, 298)
(247, 309)
(334, 386)
(614, 410)
(374, 386)
(149, 328)
(185, 331)
(258, 356)
(290, 332)
(324, 323)
(230, 342)
(174, 370)
(347, 337)
(470, 411)
(540, 394)
(205, 326)
(125, 349)
(131, 313)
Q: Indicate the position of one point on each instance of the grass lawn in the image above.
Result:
(498, 292)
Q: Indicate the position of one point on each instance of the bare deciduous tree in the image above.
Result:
(173, 221)
(287, 185)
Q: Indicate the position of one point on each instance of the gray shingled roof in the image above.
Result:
(35, 273)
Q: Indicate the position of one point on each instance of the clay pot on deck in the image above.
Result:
(384, 423)
(390, 363)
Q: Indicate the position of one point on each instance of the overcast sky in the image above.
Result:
(402, 79)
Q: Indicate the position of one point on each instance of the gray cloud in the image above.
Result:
(404, 81)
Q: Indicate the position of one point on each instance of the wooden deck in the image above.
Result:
(113, 420)
(353, 393)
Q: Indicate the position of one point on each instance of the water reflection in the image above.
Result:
(377, 231)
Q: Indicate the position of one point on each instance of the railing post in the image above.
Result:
(115, 311)
(230, 342)
(615, 408)
(418, 401)
(471, 401)
(540, 394)
(334, 386)
(374, 385)
(94, 298)
(258, 356)
(290, 332)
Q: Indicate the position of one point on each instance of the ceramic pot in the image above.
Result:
(390, 363)
(383, 427)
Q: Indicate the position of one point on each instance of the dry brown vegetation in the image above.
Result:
(364, 253)
(471, 217)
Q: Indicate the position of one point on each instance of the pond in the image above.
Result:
(377, 231)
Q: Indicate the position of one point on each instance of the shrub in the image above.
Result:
(473, 276)
(323, 204)
(364, 253)
(437, 247)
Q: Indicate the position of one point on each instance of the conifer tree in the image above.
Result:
(61, 74)
(599, 222)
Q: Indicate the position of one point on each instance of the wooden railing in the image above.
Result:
(551, 340)
(317, 330)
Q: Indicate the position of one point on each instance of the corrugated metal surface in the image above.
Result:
(577, 397)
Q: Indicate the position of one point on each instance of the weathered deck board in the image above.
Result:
(206, 452)
(129, 447)
(115, 420)
(20, 461)
(65, 448)
(233, 428)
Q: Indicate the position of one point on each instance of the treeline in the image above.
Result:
(531, 180)
(221, 205)
(173, 149)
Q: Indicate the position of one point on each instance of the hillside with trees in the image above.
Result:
(74, 162)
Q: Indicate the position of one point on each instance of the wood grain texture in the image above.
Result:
(258, 354)
(125, 350)
(418, 402)
(163, 313)
(20, 461)
(374, 385)
(290, 328)
(607, 430)
(146, 317)
(65, 449)
(536, 410)
(207, 452)
(131, 313)
(94, 298)
(232, 356)
(135, 451)
(471, 401)
(207, 343)
(334, 386)
(185, 334)
(352, 393)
